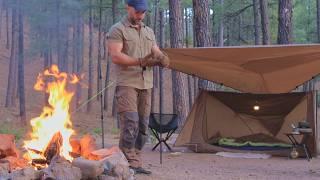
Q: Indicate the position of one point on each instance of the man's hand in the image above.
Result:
(152, 59)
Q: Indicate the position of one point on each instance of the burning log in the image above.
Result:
(102, 153)
(53, 148)
(76, 147)
(88, 144)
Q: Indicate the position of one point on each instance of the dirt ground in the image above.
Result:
(210, 166)
(187, 165)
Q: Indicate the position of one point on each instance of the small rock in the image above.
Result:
(7, 146)
(28, 173)
(89, 168)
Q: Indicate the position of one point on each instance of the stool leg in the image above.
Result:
(167, 145)
(306, 151)
(156, 146)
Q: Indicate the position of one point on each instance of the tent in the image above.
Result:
(265, 75)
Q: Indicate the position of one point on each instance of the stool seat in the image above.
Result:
(163, 123)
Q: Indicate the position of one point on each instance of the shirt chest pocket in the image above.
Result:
(129, 43)
(148, 43)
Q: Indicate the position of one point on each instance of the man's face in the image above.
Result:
(136, 17)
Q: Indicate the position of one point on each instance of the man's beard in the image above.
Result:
(135, 21)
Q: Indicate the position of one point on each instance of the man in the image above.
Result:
(133, 49)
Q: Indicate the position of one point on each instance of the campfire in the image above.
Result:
(51, 131)
(52, 151)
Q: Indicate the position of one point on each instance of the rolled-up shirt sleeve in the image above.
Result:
(115, 35)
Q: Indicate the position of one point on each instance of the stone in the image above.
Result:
(7, 146)
(89, 168)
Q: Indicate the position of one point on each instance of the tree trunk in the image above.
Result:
(10, 93)
(176, 37)
(186, 26)
(155, 69)
(99, 70)
(115, 14)
(21, 65)
(7, 26)
(1, 11)
(318, 20)
(58, 34)
(202, 36)
(265, 22)
(221, 26)
(161, 74)
(256, 20)
(77, 63)
(186, 15)
(213, 17)
(115, 11)
(285, 22)
(90, 68)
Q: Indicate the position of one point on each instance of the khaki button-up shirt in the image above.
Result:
(136, 44)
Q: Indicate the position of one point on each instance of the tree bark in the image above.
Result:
(90, 68)
(265, 22)
(1, 11)
(201, 33)
(115, 11)
(221, 27)
(60, 63)
(318, 20)
(285, 22)
(256, 21)
(155, 69)
(99, 70)
(186, 15)
(176, 37)
(7, 26)
(10, 93)
(161, 74)
(21, 65)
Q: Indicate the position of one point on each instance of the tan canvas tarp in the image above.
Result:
(227, 114)
(258, 69)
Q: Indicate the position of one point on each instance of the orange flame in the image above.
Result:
(55, 117)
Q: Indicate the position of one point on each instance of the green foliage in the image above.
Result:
(7, 129)
(97, 131)
(115, 130)
(304, 21)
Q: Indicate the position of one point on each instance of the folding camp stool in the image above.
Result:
(169, 124)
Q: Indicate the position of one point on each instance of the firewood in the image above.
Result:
(53, 147)
(89, 168)
(88, 144)
(76, 147)
(102, 153)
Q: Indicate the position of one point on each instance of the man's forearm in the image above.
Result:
(123, 59)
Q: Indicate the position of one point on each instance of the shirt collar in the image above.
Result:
(127, 23)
